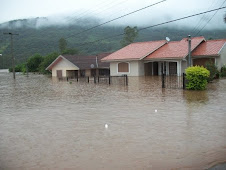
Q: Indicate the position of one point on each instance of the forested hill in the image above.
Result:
(34, 38)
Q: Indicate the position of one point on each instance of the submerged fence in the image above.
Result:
(173, 81)
(99, 79)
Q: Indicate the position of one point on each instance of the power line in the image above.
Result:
(209, 19)
(13, 58)
(115, 19)
(195, 28)
(167, 22)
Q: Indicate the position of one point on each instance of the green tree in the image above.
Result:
(62, 45)
(129, 35)
(47, 60)
(34, 62)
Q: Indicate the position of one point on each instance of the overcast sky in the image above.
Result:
(109, 9)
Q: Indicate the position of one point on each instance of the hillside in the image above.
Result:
(33, 38)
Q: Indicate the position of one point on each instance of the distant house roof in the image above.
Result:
(175, 49)
(135, 51)
(82, 62)
(209, 48)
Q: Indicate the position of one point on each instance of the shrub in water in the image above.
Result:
(214, 73)
(197, 78)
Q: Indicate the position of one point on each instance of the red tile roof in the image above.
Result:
(135, 51)
(175, 49)
(209, 48)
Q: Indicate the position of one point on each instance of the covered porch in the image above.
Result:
(168, 67)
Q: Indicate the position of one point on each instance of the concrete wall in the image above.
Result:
(136, 68)
(222, 59)
(183, 66)
(63, 65)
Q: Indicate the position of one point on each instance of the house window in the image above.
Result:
(123, 67)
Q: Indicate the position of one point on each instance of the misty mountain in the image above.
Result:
(41, 35)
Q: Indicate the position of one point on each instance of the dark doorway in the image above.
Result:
(148, 69)
(59, 74)
(172, 68)
(155, 68)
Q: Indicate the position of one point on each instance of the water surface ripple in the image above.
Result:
(46, 124)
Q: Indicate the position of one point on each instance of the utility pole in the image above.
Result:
(189, 51)
(13, 58)
(2, 61)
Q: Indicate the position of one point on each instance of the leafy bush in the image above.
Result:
(214, 73)
(34, 62)
(19, 68)
(48, 59)
(223, 71)
(197, 77)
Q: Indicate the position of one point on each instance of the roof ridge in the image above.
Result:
(147, 41)
(217, 40)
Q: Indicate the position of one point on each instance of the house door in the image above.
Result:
(148, 69)
(155, 68)
(59, 74)
(172, 68)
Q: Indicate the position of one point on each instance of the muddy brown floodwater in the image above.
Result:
(46, 124)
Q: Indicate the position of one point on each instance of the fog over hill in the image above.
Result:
(41, 35)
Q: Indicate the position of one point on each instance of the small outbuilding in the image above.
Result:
(73, 66)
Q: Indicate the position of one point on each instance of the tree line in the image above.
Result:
(38, 63)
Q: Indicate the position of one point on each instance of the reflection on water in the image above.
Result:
(47, 124)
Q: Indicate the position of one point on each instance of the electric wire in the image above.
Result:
(209, 20)
(195, 28)
(167, 22)
(115, 19)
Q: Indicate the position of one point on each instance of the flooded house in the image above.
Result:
(164, 56)
(73, 66)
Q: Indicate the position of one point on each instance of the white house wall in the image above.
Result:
(183, 66)
(63, 65)
(221, 60)
(136, 68)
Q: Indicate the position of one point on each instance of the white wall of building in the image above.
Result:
(136, 68)
(221, 60)
(63, 65)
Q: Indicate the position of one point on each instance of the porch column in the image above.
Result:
(179, 68)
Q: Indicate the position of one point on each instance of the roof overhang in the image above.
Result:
(56, 61)
(120, 60)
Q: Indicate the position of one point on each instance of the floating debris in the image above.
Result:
(106, 126)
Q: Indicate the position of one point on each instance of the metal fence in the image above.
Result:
(173, 81)
(102, 79)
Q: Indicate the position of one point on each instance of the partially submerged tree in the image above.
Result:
(129, 36)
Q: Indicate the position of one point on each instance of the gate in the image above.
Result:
(173, 81)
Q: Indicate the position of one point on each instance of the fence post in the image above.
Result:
(184, 81)
(163, 80)
(98, 79)
(126, 79)
(94, 79)
(88, 79)
(77, 78)
(109, 81)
